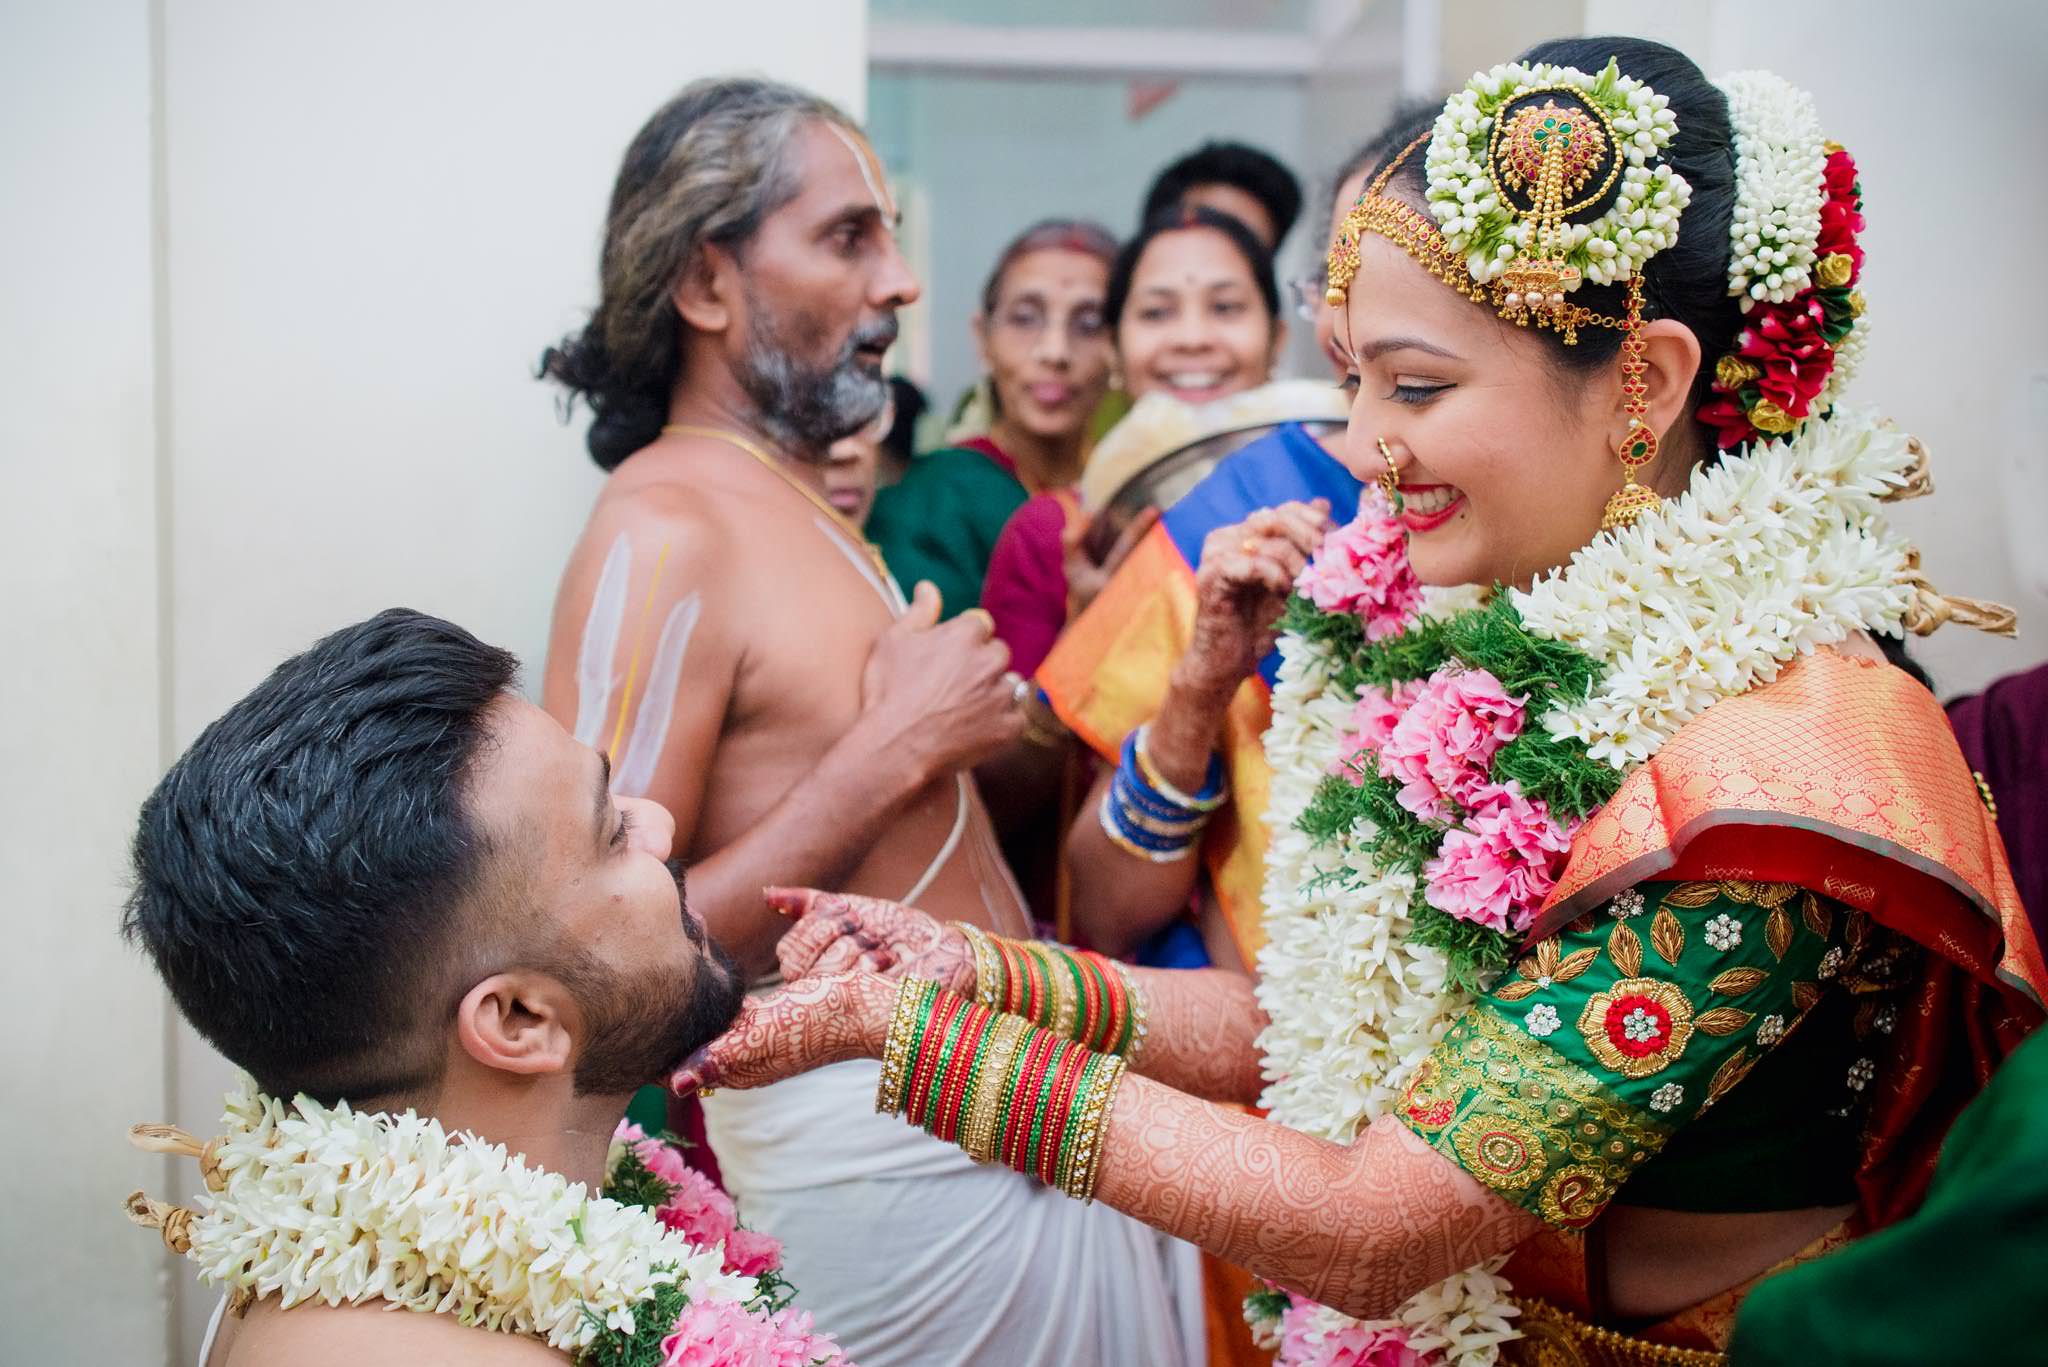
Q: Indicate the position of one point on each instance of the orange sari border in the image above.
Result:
(1108, 675)
(1841, 774)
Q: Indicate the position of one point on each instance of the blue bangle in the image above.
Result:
(1111, 827)
(1148, 781)
(1131, 792)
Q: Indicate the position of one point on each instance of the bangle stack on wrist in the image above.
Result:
(1000, 1087)
(1145, 815)
(1074, 993)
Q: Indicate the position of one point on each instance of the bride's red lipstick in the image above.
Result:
(1423, 522)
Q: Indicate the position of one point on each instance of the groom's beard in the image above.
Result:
(643, 1024)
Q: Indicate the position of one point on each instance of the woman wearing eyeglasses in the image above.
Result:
(1046, 351)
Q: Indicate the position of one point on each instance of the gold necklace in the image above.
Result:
(742, 442)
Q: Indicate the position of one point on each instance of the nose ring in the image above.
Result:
(1390, 478)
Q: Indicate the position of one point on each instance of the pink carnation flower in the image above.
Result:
(725, 1334)
(1351, 1345)
(696, 1209)
(749, 1253)
(1441, 748)
(1498, 867)
(1362, 568)
(1372, 721)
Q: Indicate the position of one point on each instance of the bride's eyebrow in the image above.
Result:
(1380, 346)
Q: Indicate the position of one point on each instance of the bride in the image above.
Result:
(1634, 928)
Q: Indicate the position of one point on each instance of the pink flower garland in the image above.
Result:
(698, 1210)
(1497, 868)
(1362, 568)
(1352, 1344)
(722, 1333)
(1441, 747)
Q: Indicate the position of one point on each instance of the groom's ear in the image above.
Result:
(519, 1022)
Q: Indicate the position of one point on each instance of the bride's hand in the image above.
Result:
(794, 1029)
(835, 930)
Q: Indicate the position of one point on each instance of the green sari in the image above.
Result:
(1946, 1284)
(941, 520)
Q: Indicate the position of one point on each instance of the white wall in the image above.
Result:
(1944, 109)
(79, 690)
(315, 352)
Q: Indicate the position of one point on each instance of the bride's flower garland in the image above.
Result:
(339, 1206)
(1426, 781)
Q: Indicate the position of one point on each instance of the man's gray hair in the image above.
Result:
(708, 167)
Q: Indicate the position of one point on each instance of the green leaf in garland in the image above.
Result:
(631, 1183)
(653, 1320)
(1560, 772)
(1267, 1304)
(1474, 955)
(1493, 638)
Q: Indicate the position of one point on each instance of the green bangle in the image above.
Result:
(1038, 1108)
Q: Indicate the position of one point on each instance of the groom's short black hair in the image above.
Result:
(300, 873)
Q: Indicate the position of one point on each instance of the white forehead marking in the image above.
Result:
(867, 174)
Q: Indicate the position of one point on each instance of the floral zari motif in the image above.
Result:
(1612, 1035)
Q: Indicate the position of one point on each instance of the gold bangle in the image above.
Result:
(1085, 1165)
(1065, 1000)
(896, 1046)
(978, 1137)
(989, 977)
(1137, 1010)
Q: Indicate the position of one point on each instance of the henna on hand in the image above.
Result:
(917, 945)
(1202, 1031)
(1360, 1229)
(797, 1027)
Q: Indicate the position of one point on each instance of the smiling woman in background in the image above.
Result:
(1045, 347)
(1196, 314)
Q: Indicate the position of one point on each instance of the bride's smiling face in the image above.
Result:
(1506, 457)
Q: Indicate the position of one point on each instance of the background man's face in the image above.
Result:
(594, 872)
(821, 281)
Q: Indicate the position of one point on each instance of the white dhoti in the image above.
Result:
(913, 1255)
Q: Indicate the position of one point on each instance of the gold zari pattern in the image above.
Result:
(1527, 1122)
(1556, 1338)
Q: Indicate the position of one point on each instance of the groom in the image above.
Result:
(385, 878)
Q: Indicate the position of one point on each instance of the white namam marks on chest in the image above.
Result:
(597, 677)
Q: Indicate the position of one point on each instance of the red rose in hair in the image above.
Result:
(1725, 415)
(1785, 342)
(1840, 175)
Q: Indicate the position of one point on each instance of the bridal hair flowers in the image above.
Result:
(1795, 260)
(1510, 179)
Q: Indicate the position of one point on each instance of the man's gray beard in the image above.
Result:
(804, 409)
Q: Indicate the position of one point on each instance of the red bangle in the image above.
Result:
(1118, 1022)
(917, 1099)
(1101, 1005)
(946, 1124)
(1073, 1059)
(1017, 1106)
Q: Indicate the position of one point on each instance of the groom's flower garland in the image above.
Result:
(1426, 780)
(342, 1207)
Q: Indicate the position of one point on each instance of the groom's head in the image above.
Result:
(382, 862)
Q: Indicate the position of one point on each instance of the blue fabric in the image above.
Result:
(1178, 946)
(1287, 465)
